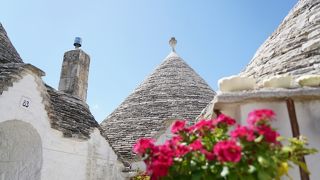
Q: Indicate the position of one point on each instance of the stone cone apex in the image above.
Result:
(294, 48)
(173, 91)
(8, 54)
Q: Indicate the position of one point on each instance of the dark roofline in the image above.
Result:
(8, 53)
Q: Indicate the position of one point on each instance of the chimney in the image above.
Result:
(75, 71)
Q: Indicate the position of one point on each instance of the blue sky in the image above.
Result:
(127, 39)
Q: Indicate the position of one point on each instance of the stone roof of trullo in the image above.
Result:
(8, 53)
(70, 115)
(67, 113)
(10, 73)
(173, 91)
(294, 48)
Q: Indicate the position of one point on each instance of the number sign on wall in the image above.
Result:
(25, 102)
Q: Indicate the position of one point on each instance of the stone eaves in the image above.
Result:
(302, 93)
(12, 72)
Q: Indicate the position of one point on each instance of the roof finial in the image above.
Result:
(77, 42)
(173, 43)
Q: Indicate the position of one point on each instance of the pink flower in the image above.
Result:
(176, 139)
(257, 116)
(159, 167)
(224, 119)
(162, 159)
(227, 151)
(178, 126)
(196, 145)
(209, 155)
(269, 134)
(243, 132)
(202, 125)
(142, 145)
(181, 150)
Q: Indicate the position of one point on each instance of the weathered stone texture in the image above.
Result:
(172, 91)
(12, 72)
(294, 48)
(7, 51)
(8, 74)
(70, 115)
(74, 73)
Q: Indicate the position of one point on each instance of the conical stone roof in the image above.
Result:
(173, 91)
(294, 48)
(8, 53)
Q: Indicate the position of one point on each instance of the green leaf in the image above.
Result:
(250, 178)
(262, 175)
(287, 149)
(302, 165)
(232, 176)
(263, 161)
(196, 176)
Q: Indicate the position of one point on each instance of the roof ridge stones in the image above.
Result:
(293, 48)
(173, 91)
(8, 54)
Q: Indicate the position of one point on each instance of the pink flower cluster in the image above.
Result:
(227, 151)
(258, 124)
(191, 140)
(260, 116)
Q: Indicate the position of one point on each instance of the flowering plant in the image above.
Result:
(210, 150)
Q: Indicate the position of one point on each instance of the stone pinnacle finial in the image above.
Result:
(173, 43)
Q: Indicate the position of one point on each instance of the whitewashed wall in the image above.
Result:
(308, 119)
(308, 115)
(62, 158)
(20, 151)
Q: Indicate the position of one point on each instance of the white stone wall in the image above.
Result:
(63, 158)
(309, 122)
(308, 119)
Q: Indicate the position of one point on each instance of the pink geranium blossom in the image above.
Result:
(258, 116)
(209, 155)
(207, 148)
(142, 145)
(223, 119)
(181, 150)
(243, 132)
(202, 125)
(196, 145)
(227, 151)
(178, 126)
(162, 159)
(269, 134)
(176, 139)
